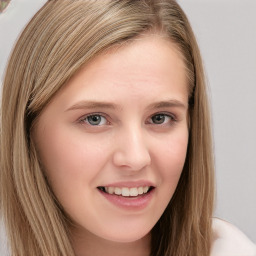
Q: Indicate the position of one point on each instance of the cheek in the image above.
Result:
(174, 150)
(171, 157)
(69, 159)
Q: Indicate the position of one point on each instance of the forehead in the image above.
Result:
(142, 57)
(148, 67)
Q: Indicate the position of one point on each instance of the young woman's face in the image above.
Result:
(113, 141)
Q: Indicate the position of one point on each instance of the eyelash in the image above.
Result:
(166, 115)
(84, 120)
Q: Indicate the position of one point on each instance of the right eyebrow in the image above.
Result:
(92, 105)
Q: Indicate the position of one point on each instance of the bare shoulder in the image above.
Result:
(228, 240)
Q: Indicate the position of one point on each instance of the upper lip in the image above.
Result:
(130, 184)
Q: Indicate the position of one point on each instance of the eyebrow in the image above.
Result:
(93, 105)
(168, 104)
(107, 105)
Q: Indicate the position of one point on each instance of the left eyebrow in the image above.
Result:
(168, 104)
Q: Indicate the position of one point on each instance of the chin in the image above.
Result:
(126, 237)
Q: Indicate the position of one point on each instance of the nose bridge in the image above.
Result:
(132, 150)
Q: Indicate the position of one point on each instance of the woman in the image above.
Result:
(105, 137)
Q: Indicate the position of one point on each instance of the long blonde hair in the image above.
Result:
(61, 37)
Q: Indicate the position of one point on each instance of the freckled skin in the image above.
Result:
(127, 146)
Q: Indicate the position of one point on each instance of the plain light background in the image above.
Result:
(226, 34)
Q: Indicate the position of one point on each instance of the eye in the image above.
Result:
(95, 120)
(161, 119)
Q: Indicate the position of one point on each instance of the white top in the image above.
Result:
(228, 241)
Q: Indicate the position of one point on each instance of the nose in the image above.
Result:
(132, 152)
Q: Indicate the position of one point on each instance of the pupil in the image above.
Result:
(94, 120)
(158, 119)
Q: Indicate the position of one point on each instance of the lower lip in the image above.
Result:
(129, 203)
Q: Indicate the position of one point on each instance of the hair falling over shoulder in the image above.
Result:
(62, 37)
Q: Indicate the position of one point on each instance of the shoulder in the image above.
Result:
(230, 241)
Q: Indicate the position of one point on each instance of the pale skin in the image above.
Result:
(121, 121)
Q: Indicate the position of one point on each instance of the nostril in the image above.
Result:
(131, 160)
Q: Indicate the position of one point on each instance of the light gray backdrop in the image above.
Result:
(226, 33)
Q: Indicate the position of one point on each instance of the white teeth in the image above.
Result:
(134, 192)
(118, 191)
(110, 190)
(140, 190)
(126, 192)
(145, 189)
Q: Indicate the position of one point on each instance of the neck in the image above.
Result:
(89, 244)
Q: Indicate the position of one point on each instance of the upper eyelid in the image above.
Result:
(173, 116)
(93, 114)
(109, 119)
(82, 120)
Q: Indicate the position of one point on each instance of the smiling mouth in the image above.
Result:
(126, 192)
